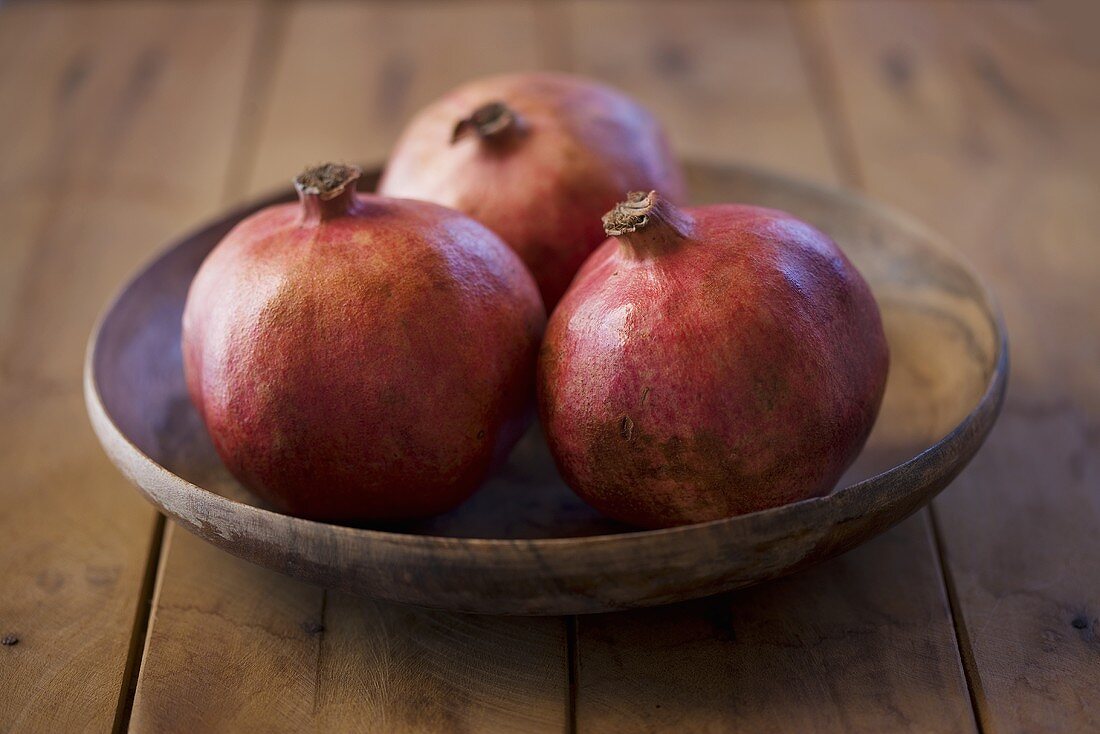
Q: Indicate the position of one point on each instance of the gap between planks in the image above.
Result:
(962, 636)
(259, 83)
(572, 668)
(140, 632)
(821, 75)
(821, 70)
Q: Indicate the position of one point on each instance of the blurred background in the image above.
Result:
(125, 124)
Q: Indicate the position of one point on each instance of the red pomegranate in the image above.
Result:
(358, 357)
(537, 158)
(709, 362)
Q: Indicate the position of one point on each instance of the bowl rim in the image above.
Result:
(853, 496)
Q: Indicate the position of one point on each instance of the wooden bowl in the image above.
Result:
(524, 544)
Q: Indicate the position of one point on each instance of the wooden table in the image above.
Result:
(124, 124)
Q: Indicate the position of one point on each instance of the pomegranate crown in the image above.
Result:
(647, 224)
(327, 192)
(490, 121)
(327, 180)
(630, 215)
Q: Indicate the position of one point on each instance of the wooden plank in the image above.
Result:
(235, 648)
(991, 112)
(861, 643)
(115, 133)
(392, 61)
(726, 80)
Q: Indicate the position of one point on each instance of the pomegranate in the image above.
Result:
(359, 357)
(709, 362)
(537, 158)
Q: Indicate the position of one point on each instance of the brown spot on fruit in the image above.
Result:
(626, 428)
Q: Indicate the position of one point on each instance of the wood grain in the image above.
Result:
(834, 649)
(980, 117)
(233, 647)
(113, 138)
(863, 643)
(393, 59)
(991, 110)
(726, 79)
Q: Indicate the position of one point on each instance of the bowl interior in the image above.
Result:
(942, 334)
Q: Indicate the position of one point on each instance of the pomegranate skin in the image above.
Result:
(574, 149)
(728, 362)
(362, 358)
